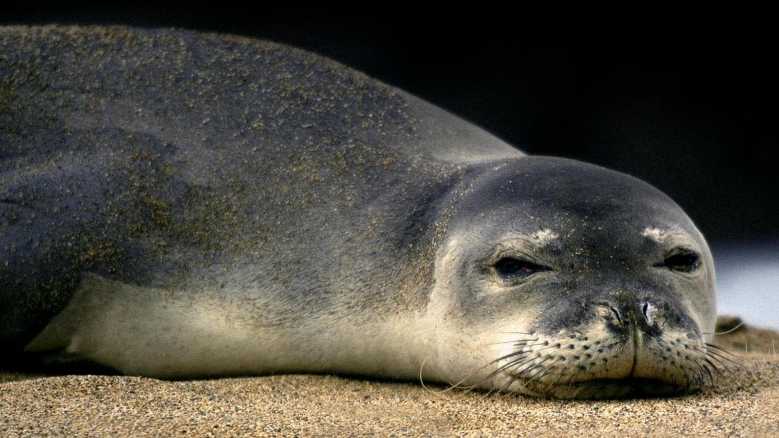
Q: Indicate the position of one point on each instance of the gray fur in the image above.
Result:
(145, 154)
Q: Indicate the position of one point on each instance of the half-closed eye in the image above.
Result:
(513, 268)
(681, 260)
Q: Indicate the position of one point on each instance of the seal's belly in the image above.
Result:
(174, 334)
(156, 332)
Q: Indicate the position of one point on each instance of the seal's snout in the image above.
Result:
(626, 344)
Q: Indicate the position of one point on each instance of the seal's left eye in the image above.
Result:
(514, 268)
(683, 260)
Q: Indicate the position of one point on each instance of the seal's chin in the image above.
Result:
(615, 389)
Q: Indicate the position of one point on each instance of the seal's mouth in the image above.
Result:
(618, 388)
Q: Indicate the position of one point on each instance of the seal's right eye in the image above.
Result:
(511, 268)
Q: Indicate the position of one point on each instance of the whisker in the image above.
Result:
(714, 365)
(510, 381)
(517, 364)
(730, 330)
(451, 385)
(551, 383)
(719, 366)
(544, 371)
(520, 362)
(705, 368)
(725, 358)
(428, 389)
(721, 350)
(513, 377)
(520, 341)
(721, 354)
(512, 354)
(700, 376)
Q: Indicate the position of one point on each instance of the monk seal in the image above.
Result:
(176, 204)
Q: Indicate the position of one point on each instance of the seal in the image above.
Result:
(177, 204)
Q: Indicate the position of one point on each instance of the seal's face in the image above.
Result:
(568, 280)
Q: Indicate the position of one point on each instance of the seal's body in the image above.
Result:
(175, 204)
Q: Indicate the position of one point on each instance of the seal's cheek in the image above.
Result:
(697, 300)
(470, 346)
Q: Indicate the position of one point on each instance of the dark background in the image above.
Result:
(689, 107)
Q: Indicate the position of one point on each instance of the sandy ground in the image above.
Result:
(747, 404)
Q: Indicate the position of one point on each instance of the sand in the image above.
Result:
(746, 404)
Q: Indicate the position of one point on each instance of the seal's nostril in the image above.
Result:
(648, 310)
(616, 313)
(607, 311)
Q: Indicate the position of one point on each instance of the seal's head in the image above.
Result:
(563, 279)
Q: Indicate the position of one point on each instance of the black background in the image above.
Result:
(688, 104)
